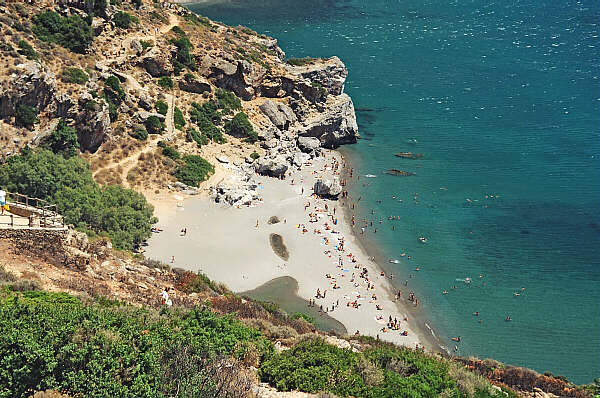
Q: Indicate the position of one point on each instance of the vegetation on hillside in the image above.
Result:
(154, 125)
(161, 107)
(122, 214)
(194, 170)
(240, 126)
(26, 50)
(71, 32)
(124, 20)
(26, 116)
(101, 349)
(62, 140)
(74, 75)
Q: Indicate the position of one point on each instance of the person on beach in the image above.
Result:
(2, 200)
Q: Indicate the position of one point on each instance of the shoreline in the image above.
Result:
(215, 229)
(427, 334)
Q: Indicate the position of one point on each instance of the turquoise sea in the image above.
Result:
(502, 98)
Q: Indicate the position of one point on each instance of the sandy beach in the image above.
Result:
(233, 246)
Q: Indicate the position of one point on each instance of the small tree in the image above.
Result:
(123, 20)
(154, 125)
(161, 107)
(74, 75)
(178, 119)
(63, 140)
(26, 116)
(240, 126)
(165, 81)
(26, 50)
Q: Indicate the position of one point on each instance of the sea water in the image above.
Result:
(502, 99)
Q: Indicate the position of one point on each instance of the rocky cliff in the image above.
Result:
(163, 54)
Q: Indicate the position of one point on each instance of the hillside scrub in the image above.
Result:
(194, 170)
(124, 20)
(71, 32)
(178, 119)
(26, 116)
(240, 126)
(154, 125)
(122, 214)
(161, 107)
(26, 50)
(63, 140)
(206, 117)
(105, 348)
(74, 75)
(383, 371)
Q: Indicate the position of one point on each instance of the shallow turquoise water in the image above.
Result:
(503, 99)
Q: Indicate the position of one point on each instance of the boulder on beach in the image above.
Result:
(327, 188)
(274, 167)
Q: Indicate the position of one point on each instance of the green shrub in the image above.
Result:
(178, 119)
(301, 315)
(178, 31)
(26, 116)
(124, 20)
(240, 126)
(140, 133)
(313, 366)
(146, 44)
(205, 116)
(71, 32)
(300, 61)
(94, 349)
(194, 170)
(161, 107)
(74, 75)
(26, 50)
(154, 125)
(183, 55)
(197, 20)
(200, 138)
(170, 152)
(227, 101)
(122, 214)
(113, 109)
(63, 140)
(254, 155)
(165, 81)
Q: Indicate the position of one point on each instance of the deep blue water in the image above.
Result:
(502, 98)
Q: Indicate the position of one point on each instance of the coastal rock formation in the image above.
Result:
(329, 73)
(308, 144)
(335, 126)
(157, 63)
(327, 188)
(237, 189)
(192, 84)
(274, 167)
(280, 114)
(31, 84)
(92, 122)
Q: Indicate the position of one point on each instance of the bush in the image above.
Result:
(146, 44)
(122, 214)
(74, 75)
(300, 61)
(165, 81)
(254, 155)
(154, 125)
(124, 20)
(205, 116)
(240, 126)
(178, 119)
(227, 101)
(26, 116)
(26, 50)
(63, 140)
(112, 87)
(161, 107)
(200, 138)
(71, 32)
(194, 170)
(140, 133)
(183, 56)
(170, 152)
(313, 366)
(92, 350)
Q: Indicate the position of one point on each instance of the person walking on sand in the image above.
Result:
(2, 200)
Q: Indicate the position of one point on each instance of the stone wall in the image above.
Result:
(45, 244)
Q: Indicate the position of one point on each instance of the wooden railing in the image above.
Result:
(39, 212)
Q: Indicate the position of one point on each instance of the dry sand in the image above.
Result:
(224, 243)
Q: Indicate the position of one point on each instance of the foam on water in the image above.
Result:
(503, 100)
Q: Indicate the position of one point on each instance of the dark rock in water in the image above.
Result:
(409, 155)
(400, 173)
